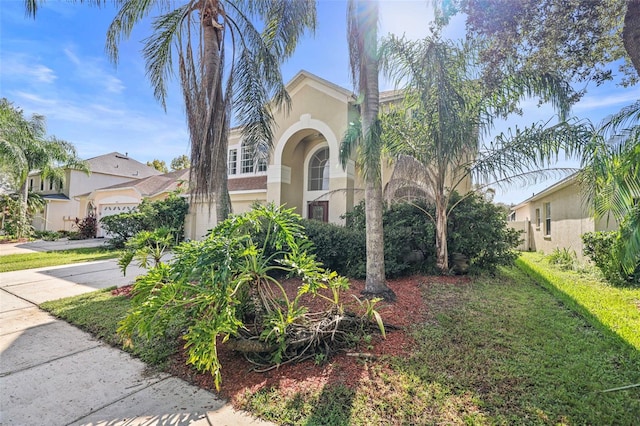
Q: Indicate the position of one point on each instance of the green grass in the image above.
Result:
(17, 262)
(498, 350)
(612, 309)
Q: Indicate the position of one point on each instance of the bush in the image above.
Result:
(564, 259)
(603, 249)
(169, 213)
(477, 232)
(47, 235)
(87, 227)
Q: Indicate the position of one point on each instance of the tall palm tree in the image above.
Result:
(25, 147)
(225, 64)
(611, 177)
(435, 130)
(362, 33)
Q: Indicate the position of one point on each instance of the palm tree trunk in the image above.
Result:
(24, 205)
(631, 33)
(442, 251)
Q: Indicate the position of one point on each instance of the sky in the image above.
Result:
(56, 66)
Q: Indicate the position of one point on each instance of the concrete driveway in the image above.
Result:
(52, 373)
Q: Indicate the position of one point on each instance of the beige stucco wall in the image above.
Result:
(570, 219)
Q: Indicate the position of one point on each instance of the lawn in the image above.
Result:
(491, 350)
(16, 262)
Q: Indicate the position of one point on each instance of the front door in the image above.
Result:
(318, 210)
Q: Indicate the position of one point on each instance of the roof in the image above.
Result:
(115, 163)
(549, 190)
(248, 183)
(153, 185)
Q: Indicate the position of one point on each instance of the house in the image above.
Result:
(124, 197)
(303, 170)
(556, 218)
(62, 205)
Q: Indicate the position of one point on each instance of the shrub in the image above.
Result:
(224, 287)
(169, 213)
(47, 235)
(564, 259)
(87, 227)
(603, 248)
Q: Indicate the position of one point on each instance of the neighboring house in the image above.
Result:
(556, 218)
(62, 206)
(126, 196)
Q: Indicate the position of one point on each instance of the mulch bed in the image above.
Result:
(239, 377)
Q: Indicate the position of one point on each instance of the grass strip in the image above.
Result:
(614, 310)
(17, 262)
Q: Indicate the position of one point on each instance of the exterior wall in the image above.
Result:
(569, 220)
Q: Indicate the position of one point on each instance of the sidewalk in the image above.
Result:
(40, 245)
(51, 373)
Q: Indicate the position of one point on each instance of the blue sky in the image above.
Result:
(56, 66)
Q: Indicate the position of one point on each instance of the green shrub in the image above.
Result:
(47, 235)
(87, 227)
(169, 213)
(564, 259)
(603, 248)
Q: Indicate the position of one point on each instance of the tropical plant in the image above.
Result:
(159, 165)
(226, 290)
(181, 162)
(610, 178)
(362, 25)
(434, 132)
(25, 147)
(146, 246)
(210, 38)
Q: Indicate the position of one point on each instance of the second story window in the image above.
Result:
(41, 184)
(30, 184)
(233, 161)
(246, 161)
(50, 184)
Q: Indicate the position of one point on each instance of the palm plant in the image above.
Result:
(434, 132)
(24, 147)
(611, 178)
(362, 22)
(209, 37)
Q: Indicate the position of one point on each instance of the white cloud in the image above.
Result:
(618, 99)
(24, 67)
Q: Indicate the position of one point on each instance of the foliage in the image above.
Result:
(146, 246)
(181, 162)
(122, 226)
(159, 165)
(579, 39)
(435, 132)
(564, 259)
(14, 223)
(604, 249)
(24, 147)
(477, 231)
(225, 287)
(47, 235)
(168, 213)
(610, 177)
(87, 227)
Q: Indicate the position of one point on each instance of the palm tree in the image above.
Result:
(210, 37)
(362, 31)
(611, 178)
(434, 132)
(24, 147)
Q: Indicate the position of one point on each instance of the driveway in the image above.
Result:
(52, 373)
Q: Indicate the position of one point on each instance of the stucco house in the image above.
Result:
(556, 218)
(62, 204)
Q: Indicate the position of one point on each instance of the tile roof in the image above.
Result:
(248, 183)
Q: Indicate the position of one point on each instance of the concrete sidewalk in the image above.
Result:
(51, 373)
(41, 245)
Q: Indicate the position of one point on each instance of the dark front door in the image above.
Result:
(318, 210)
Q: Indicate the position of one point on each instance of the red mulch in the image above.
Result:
(238, 377)
(123, 291)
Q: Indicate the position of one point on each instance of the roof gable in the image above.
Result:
(119, 164)
(305, 78)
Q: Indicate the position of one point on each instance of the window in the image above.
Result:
(41, 184)
(538, 219)
(233, 161)
(30, 184)
(246, 165)
(262, 166)
(547, 219)
(319, 171)
(50, 184)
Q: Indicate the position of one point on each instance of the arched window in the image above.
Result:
(319, 171)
